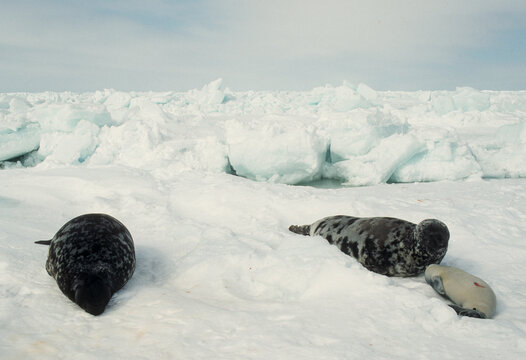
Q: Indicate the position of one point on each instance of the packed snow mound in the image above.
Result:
(352, 134)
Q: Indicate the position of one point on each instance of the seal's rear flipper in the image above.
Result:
(468, 312)
(300, 229)
(43, 242)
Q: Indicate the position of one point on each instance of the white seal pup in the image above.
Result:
(471, 295)
(385, 245)
(91, 257)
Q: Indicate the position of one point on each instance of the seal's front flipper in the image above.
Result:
(468, 312)
(436, 283)
(43, 242)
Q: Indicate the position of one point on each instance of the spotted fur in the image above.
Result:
(387, 246)
(91, 257)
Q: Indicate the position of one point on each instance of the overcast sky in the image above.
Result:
(261, 44)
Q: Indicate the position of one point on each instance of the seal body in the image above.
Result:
(471, 295)
(91, 257)
(385, 245)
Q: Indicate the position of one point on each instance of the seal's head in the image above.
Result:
(92, 293)
(432, 237)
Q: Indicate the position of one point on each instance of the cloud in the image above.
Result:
(83, 46)
(407, 44)
(402, 29)
(293, 44)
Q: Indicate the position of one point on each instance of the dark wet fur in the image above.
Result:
(91, 257)
(387, 246)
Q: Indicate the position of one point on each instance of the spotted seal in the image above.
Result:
(91, 257)
(471, 295)
(385, 245)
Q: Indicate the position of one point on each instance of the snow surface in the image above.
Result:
(218, 275)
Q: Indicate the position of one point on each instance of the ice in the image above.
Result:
(378, 165)
(18, 135)
(212, 93)
(366, 146)
(444, 160)
(341, 98)
(468, 99)
(367, 92)
(275, 148)
(358, 131)
(17, 143)
(347, 133)
(65, 116)
(503, 154)
(70, 148)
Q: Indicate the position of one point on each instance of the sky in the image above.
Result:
(170, 45)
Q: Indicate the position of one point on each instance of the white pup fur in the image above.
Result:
(467, 291)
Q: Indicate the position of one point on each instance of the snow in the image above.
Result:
(218, 273)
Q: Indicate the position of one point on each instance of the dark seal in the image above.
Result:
(91, 257)
(385, 245)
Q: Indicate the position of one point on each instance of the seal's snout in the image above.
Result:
(92, 294)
